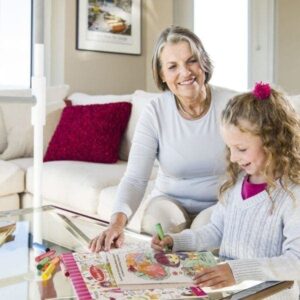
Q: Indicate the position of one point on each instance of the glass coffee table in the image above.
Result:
(64, 231)
(55, 228)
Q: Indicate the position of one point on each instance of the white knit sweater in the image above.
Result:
(258, 242)
(190, 155)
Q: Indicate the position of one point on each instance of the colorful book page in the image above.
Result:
(91, 284)
(154, 294)
(90, 273)
(147, 269)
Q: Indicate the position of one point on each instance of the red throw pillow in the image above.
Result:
(89, 133)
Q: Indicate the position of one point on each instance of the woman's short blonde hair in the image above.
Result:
(174, 35)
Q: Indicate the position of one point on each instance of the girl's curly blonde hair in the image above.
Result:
(276, 122)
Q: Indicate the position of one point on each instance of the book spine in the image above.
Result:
(76, 277)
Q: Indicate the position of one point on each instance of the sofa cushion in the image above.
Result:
(52, 119)
(17, 119)
(3, 137)
(23, 163)
(139, 101)
(84, 99)
(19, 131)
(89, 133)
(12, 178)
(76, 184)
(9, 202)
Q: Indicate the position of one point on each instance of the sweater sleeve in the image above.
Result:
(140, 163)
(204, 238)
(283, 267)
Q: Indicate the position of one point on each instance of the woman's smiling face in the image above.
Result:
(181, 71)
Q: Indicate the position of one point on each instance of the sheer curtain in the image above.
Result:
(223, 28)
(12, 55)
(15, 44)
(239, 37)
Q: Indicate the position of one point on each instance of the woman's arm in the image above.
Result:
(133, 184)
(112, 236)
(140, 163)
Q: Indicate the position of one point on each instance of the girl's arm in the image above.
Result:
(204, 238)
(283, 267)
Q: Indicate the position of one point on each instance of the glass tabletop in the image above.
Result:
(58, 229)
(23, 230)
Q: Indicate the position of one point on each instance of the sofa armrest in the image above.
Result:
(3, 135)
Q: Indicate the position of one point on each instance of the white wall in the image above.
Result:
(287, 54)
(98, 72)
(158, 15)
(183, 12)
(286, 64)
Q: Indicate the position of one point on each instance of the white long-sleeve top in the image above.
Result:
(257, 243)
(190, 155)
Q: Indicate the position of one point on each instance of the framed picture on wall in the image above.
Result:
(109, 26)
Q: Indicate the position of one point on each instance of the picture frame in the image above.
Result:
(109, 26)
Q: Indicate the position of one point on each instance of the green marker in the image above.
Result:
(161, 235)
(159, 231)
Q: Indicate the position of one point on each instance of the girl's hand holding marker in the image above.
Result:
(160, 241)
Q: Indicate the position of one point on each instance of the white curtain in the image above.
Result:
(15, 43)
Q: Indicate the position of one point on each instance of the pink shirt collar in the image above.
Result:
(251, 189)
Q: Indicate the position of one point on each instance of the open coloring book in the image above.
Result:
(140, 270)
(120, 275)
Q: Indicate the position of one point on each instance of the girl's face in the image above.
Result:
(181, 71)
(246, 150)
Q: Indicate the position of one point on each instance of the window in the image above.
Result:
(15, 44)
(238, 36)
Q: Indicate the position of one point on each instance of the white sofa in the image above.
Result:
(84, 187)
(88, 188)
(16, 142)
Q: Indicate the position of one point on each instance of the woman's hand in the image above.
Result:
(112, 236)
(215, 277)
(161, 245)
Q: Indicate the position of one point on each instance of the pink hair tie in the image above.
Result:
(261, 91)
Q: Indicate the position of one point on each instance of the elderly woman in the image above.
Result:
(181, 130)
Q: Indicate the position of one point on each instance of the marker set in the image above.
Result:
(47, 262)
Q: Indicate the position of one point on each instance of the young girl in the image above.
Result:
(256, 223)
